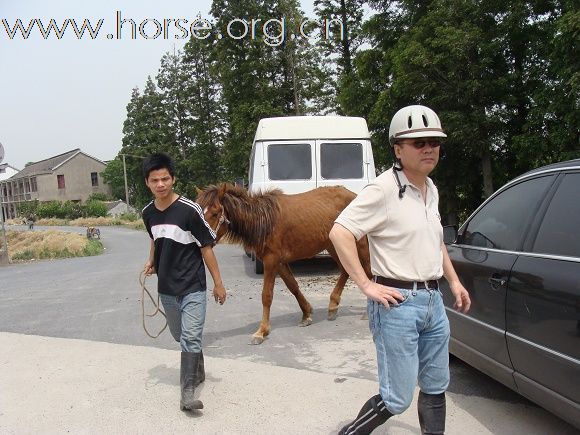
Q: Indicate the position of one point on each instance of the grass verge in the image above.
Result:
(42, 245)
(85, 222)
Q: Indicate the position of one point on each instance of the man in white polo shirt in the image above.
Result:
(399, 214)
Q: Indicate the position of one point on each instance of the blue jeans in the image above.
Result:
(185, 318)
(412, 341)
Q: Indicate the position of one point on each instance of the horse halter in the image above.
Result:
(223, 219)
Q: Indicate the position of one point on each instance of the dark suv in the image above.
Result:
(518, 255)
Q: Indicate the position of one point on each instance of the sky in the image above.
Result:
(60, 94)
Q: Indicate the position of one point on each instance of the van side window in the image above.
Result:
(290, 161)
(501, 223)
(341, 160)
(558, 234)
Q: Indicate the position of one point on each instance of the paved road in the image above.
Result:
(98, 300)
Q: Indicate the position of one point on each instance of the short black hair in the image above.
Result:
(158, 161)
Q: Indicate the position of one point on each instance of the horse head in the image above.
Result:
(211, 201)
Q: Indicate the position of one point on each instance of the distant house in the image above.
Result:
(72, 176)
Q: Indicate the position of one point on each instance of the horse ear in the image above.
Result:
(198, 190)
(222, 190)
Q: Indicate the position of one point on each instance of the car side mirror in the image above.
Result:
(449, 234)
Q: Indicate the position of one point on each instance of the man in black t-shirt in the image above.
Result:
(181, 247)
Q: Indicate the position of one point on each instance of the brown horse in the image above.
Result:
(280, 229)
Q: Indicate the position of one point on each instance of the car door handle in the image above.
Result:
(496, 283)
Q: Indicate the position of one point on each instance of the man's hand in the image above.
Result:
(462, 299)
(219, 293)
(149, 269)
(382, 294)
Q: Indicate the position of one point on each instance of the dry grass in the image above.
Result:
(31, 245)
(94, 222)
(17, 221)
(84, 222)
(51, 222)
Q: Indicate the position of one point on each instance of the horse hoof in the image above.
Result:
(257, 340)
(332, 315)
(306, 322)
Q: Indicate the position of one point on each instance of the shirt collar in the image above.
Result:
(405, 182)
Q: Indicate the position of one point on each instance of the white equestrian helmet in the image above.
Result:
(415, 121)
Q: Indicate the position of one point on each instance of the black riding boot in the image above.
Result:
(372, 415)
(189, 380)
(200, 370)
(432, 411)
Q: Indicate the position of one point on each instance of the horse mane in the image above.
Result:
(252, 216)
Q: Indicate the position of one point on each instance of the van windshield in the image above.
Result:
(341, 160)
(290, 161)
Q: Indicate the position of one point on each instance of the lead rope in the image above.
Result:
(142, 278)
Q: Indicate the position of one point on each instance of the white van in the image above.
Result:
(300, 153)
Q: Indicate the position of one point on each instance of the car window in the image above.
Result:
(341, 160)
(501, 223)
(558, 233)
(290, 161)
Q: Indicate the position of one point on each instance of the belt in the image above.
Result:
(390, 282)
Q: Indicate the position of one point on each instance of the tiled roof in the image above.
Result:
(48, 165)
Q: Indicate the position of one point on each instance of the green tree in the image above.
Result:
(146, 130)
(340, 46)
(493, 72)
(202, 165)
(551, 130)
(113, 176)
(260, 76)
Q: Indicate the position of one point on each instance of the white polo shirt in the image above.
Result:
(405, 235)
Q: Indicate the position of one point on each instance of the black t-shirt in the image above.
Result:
(178, 232)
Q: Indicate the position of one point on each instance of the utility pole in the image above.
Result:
(126, 188)
(125, 176)
(4, 259)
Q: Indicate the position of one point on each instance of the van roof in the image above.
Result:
(312, 127)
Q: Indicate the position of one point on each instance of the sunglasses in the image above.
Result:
(420, 144)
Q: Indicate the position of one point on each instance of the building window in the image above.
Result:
(94, 179)
(33, 185)
(60, 180)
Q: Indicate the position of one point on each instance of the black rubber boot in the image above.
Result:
(200, 370)
(372, 415)
(188, 381)
(432, 410)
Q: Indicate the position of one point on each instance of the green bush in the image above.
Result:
(94, 208)
(49, 209)
(28, 208)
(98, 197)
(67, 210)
(94, 247)
(24, 255)
(71, 210)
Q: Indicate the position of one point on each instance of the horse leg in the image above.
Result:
(267, 296)
(288, 278)
(336, 295)
(337, 291)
